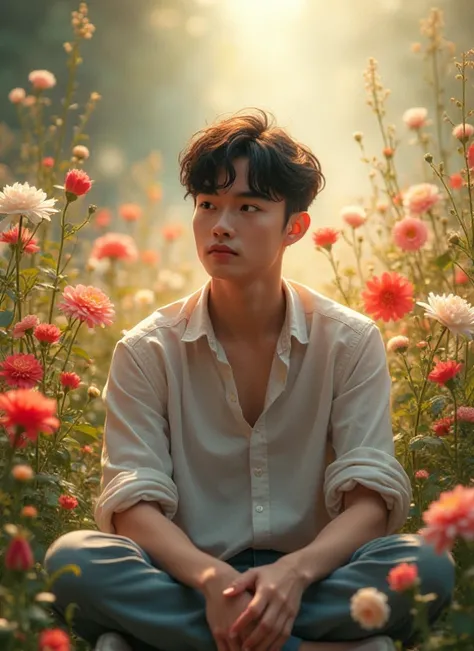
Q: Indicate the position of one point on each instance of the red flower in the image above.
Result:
(325, 237)
(53, 639)
(456, 181)
(114, 245)
(403, 577)
(87, 449)
(67, 502)
(29, 242)
(103, 217)
(442, 427)
(69, 380)
(21, 370)
(443, 372)
(19, 556)
(388, 297)
(470, 156)
(77, 183)
(47, 333)
(48, 161)
(30, 411)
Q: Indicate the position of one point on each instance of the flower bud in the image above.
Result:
(429, 158)
(93, 392)
(454, 239)
(19, 556)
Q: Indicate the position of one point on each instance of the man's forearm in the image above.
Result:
(335, 544)
(170, 547)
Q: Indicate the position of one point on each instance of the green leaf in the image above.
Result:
(6, 317)
(86, 429)
(48, 260)
(444, 261)
(419, 442)
(80, 352)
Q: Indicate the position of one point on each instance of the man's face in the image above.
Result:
(251, 227)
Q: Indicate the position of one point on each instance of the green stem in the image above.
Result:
(425, 382)
(18, 248)
(338, 281)
(58, 264)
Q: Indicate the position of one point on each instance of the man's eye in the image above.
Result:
(248, 208)
(207, 205)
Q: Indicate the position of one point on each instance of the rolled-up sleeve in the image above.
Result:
(136, 460)
(361, 432)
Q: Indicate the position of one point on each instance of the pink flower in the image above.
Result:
(466, 414)
(415, 118)
(422, 474)
(42, 79)
(69, 380)
(21, 370)
(354, 216)
(30, 411)
(403, 577)
(420, 198)
(11, 237)
(463, 131)
(369, 608)
(470, 156)
(103, 218)
(325, 237)
(88, 304)
(17, 95)
(461, 277)
(130, 212)
(451, 516)
(115, 245)
(410, 233)
(399, 344)
(77, 183)
(48, 162)
(27, 323)
(47, 333)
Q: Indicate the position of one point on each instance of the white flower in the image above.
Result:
(369, 608)
(25, 199)
(451, 311)
(144, 297)
(415, 117)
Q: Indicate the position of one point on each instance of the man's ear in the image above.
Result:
(297, 226)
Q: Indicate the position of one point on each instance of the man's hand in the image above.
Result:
(277, 590)
(222, 612)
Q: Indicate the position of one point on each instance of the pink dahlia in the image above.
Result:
(88, 304)
(114, 245)
(420, 198)
(21, 370)
(451, 516)
(26, 324)
(410, 233)
(403, 577)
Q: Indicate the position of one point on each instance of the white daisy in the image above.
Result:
(25, 199)
(451, 311)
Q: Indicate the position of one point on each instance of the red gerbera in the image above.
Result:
(325, 237)
(21, 370)
(445, 371)
(388, 297)
(29, 411)
(54, 639)
(77, 183)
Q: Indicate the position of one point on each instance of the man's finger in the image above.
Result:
(266, 630)
(252, 613)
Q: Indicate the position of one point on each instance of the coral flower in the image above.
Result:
(461, 277)
(29, 511)
(443, 372)
(410, 233)
(415, 117)
(172, 232)
(463, 132)
(398, 344)
(451, 516)
(103, 218)
(420, 198)
(26, 324)
(17, 95)
(42, 79)
(88, 304)
(22, 472)
(25, 199)
(325, 237)
(47, 333)
(422, 474)
(69, 380)
(19, 556)
(115, 245)
(456, 181)
(48, 162)
(354, 216)
(465, 414)
(403, 577)
(11, 237)
(130, 212)
(30, 411)
(67, 502)
(369, 608)
(21, 370)
(77, 183)
(470, 157)
(388, 297)
(452, 311)
(442, 427)
(54, 639)
(149, 257)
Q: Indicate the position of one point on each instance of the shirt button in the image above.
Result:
(257, 472)
(259, 509)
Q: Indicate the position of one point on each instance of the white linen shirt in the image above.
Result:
(175, 433)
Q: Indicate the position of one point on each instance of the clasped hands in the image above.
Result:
(257, 610)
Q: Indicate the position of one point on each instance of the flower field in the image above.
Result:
(74, 276)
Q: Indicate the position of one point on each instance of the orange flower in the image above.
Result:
(130, 212)
(88, 304)
(22, 472)
(21, 370)
(403, 577)
(154, 192)
(325, 237)
(67, 502)
(29, 511)
(19, 556)
(53, 639)
(30, 411)
(388, 297)
(456, 181)
(443, 372)
(11, 237)
(149, 257)
(451, 516)
(76, 184)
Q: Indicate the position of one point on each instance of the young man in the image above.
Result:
(249, 480)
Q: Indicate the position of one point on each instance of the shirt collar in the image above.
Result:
(200, 325)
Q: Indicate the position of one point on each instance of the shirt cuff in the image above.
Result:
(376, 470)
(130, 487)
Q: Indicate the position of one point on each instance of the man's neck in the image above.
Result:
(251, 313)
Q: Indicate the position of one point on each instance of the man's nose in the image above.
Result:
(223, 224)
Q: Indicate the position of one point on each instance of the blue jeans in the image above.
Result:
(120, 589)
